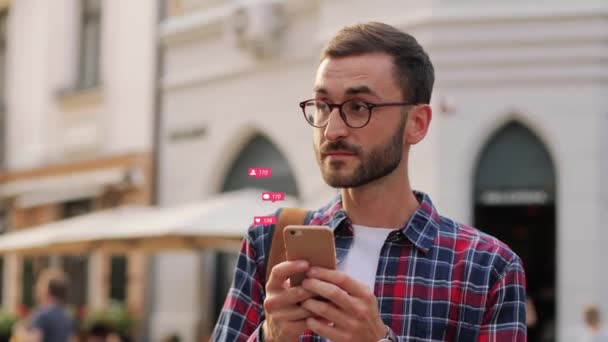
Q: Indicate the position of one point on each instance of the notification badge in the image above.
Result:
(260, 172)
(273, 196)
(264, 220)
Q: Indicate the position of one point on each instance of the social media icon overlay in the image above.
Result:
(273, 196)
(264, 220)
(260, 172)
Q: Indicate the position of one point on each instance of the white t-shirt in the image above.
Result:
(361, 261)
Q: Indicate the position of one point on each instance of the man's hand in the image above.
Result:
(352, 308)
(285, 318)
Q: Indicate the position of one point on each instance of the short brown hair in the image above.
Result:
(414, 71)
(54, 282)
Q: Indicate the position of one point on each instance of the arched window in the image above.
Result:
(514, 168)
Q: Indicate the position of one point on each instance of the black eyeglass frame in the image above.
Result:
(370, 107)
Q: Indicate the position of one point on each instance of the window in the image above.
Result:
(77, 207)
(32, 266)
(27, 281)
(3, 53)
(118, 278)
(76, 267)
(90, 42)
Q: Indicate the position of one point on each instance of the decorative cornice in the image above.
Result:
(209, 22)
(488, 45)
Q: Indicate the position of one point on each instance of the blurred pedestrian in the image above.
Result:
(593, 324)
(51, 322)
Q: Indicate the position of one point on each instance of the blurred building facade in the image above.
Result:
(77, 99)
(517, 145)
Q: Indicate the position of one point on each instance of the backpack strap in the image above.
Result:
(288, 216)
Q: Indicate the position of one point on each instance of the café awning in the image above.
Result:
(219, 222)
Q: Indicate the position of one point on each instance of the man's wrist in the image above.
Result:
(389, 336)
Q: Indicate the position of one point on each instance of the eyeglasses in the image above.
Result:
(355, 113)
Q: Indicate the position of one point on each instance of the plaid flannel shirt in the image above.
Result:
(437, 280)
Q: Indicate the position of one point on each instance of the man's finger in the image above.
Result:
(282, 271)
(329, 291)
(289, 297)
(328, 312)
(339, 279)
(297, 313)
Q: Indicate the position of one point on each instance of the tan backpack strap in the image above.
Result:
(288, 216)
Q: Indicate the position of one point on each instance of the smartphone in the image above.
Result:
(314, 244)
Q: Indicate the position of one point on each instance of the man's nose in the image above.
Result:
(336, 128)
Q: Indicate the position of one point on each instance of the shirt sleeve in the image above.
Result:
(38, 321)
(243, 310)
(505, 317)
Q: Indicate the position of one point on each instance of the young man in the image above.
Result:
(404, 272)
(50, 322)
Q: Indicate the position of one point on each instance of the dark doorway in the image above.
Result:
(530, 231)
(515, 202)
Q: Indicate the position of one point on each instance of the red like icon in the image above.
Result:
(264, 220)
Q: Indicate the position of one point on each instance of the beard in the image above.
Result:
(375, 164)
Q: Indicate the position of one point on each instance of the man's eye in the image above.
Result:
(358, 106)
(322, 106)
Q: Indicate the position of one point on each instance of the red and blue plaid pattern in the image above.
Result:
(437, 280)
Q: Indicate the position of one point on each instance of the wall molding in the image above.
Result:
(210, 22)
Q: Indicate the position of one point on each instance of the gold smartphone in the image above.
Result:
(314, 244)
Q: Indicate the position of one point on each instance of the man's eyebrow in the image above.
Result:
(360, 90)
(350, 91)
(320, 90)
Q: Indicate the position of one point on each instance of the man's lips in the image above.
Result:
(339, 153)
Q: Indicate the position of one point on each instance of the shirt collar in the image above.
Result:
(421, 228)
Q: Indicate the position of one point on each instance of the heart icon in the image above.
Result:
(266, 196)
(257, 220)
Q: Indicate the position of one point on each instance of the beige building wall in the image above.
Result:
(540, 63)
(50, 120)
(55, 128)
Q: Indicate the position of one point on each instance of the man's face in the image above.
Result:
(352, 157)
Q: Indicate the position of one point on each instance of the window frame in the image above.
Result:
(90, 16)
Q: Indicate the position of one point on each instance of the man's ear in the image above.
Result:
(419, 120)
